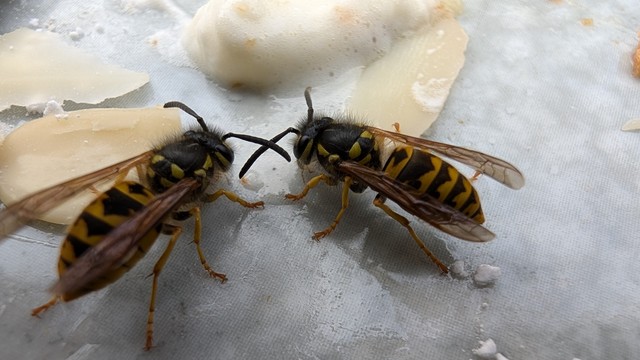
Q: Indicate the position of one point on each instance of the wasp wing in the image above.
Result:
(19, 213)
(117, 244)
(427, 208)
(497, 169)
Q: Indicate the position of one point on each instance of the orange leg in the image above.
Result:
(122, 175)
(310, 185)
(476, 175)
(175, 234)
(195, 212)
(233, 197)
(142, 172)
(345, 203)
(44, 307)
(404, 222)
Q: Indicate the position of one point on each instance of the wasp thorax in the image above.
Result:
(347, 143)
(175, 161)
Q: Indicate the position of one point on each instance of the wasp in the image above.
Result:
(116, 230)
(412, 175)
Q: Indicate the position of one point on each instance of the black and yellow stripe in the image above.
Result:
(163, 173)
(105, 213)
(348, 142)
(431, 175)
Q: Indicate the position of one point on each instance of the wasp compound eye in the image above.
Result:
(224, 156)
(304, 149)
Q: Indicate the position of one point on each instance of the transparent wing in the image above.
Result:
(491, 166)
(427, 208)
(19, 213)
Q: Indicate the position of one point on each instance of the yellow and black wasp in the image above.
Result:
(413, 177)
(120, 225)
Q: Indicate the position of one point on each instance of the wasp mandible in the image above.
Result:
(412, 175)
(116, 230)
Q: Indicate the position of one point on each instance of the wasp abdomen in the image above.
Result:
(105, 213)
(431, 175)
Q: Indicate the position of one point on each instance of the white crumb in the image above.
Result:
(37, 108)
(486, 275)
(458, 269)
(54, 108)
(76, 34)
(487, 349)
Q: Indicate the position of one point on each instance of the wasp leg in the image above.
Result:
(175, 232)
(233, 197)
(142, 172)
(310, 185)
(195, 212)
(345, 203)
(119, 178)
(379, 202)
(44, 307)
(476, 175)
(122, 175)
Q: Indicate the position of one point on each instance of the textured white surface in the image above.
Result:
(538, 89)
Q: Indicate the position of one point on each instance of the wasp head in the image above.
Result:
(215, 146)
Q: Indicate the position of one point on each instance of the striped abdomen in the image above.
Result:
(105, 213)
(431, 175)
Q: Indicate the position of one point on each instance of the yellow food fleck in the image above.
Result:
(587, 22)
(249, 43)
(345, 15)
(636, 61)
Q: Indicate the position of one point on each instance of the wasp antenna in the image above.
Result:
(188, 110)
(267, 144)
(262, 149)
(307, 97)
